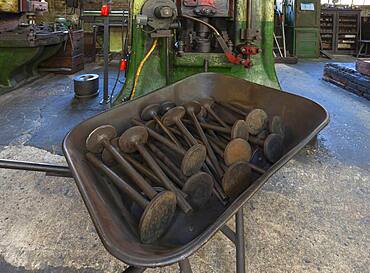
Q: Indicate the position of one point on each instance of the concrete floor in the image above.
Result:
(41, 113)
(312, 216)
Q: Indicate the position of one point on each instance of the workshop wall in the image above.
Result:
(58, 8)
(9, 5)
(365, 11)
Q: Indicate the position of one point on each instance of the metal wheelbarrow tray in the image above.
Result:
(303, 118)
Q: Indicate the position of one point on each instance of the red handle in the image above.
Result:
(105, 10)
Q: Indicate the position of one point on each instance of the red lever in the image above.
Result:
(104, 10)
(123, 65)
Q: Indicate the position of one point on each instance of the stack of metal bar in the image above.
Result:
(174, 158)
(344, 75)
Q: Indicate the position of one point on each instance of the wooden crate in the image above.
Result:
(70, 58)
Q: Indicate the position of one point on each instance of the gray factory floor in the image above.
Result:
(312, 216)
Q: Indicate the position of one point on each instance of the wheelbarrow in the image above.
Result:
(303, 118)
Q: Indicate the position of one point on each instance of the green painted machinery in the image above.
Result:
(19, 62)
(183, 46)
(24, 45)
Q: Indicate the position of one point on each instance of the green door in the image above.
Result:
(308, 13)
(307, 42)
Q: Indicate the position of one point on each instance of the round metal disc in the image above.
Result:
(107, 157)
(157, 217)
(173, 115)
(256, 121)
(95, 139)
(237, 179)
(166, 106)
(237, 150)
(240, 130)
(277, 126)
(199, 189)
(193, 159)
(259, 159)
(274, 147)
(132, 137)
(149, 112)
(193, 106)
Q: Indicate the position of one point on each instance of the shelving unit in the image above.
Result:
(327, 31)
(340, 30)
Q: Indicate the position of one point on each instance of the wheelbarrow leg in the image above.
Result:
(133, 269)
(240, 244)
(185, 266)
(238, 239)
(229, 233)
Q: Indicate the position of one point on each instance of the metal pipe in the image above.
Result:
(283, 33)
(113, 13)
(55, 170)
(240, 244)
(106, 98)
(249, 14)
(167, 59)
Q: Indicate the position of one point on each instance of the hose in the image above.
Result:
(202, 22)
(140, 68)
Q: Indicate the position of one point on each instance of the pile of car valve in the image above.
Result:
(174, 158)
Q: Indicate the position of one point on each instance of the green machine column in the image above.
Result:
(153, 74)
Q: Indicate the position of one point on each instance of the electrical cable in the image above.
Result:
(140, 68)
(123, 53)
(115, 84)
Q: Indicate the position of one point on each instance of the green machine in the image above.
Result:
(302, 26)
(23, 44)
(171, 40)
